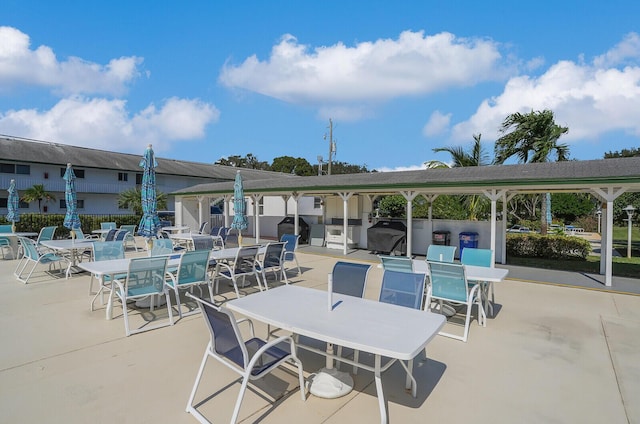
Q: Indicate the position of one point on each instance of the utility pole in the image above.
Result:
(332, 146)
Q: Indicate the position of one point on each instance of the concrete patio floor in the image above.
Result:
(551, 354)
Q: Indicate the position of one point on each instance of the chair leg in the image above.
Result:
(243, 388)
(190, 407)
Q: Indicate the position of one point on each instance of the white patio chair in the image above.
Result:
(251, 359)
(448, 283)
(350, 279)
(161, 246)
(104, 251)
(129, 235)
(193, 271)
(5, 244)
(273, 260)
(32, 255)
(481, 257)
(242, 266)
(405, 289)
(440, 253)
(396, 263)
(290, 248)
(145, 278)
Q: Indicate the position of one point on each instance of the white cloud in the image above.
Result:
(437, 124)
(412, 65)
(20, 65)
(590, 99)
(106, 124)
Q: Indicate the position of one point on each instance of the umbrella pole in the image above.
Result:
(239, 238)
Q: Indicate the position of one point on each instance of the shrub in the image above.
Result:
(550, 246)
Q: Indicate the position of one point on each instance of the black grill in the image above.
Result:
(287, 226)
(387, 237)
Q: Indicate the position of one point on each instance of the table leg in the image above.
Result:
(381, 401)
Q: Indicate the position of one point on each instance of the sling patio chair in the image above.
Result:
(193, 271)
(481, 257)
(145, 278)
(31, 255)
(396, 263)
(290, 248)
(404, 289)
(104, 251)
(252, 359)
(273, 260)
(244, 264)
(440, 253)
(448, 283)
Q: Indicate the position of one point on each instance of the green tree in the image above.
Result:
(624, 153)
(132, 199)
(532, 137)
(249, 161)
(476, 156)
(569, 206)
(291, 165)
(346, 168)
(37, 192)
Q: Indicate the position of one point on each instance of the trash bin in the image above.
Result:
(468, 239)
(441, 238)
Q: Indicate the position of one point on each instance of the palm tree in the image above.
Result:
(132, 199)
(476, 156)
(37, 192)
(532, 137)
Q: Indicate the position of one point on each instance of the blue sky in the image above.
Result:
(201, 80)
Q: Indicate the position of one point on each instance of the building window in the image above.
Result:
(138, 179)
(4, 202)
(123, 176)
(23, 205)
(261, 206)
(79, 204)
(23, 169)
(79, 173)
(7, 168)
(317, 202)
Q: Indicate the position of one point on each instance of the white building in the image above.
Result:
(103, 175)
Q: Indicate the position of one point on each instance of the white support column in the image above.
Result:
(256, 214)
(286, 197)
(345, 219)
(493, 195)
(608, 194)
(504, 228)
(201, 200)
(296, 225)
(409, 196)
(227, 206)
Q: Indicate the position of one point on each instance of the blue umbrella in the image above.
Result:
(150, 223)
(71, 219)
(13, 204)
(239, 215)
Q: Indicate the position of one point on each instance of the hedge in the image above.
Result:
(550, 246)
(33, 222)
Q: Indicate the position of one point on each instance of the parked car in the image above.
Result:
(518, 229)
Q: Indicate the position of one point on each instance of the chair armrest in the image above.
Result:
(256, 356)
(247, 320)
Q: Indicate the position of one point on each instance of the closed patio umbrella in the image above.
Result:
(71, 219)
(239, 215)
(150, 223)
(13, 204)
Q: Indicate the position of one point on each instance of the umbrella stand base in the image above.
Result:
(146, 302)
(329, 383)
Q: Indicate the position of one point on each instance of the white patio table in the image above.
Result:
(379, 328)
(474, 273)
(13, 240)
(71, 247)
(117, 266)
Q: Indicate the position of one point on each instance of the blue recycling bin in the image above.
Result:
(468, 239)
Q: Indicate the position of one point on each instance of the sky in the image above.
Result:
(206, 79)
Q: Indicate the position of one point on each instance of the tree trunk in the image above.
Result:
(543, 216)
